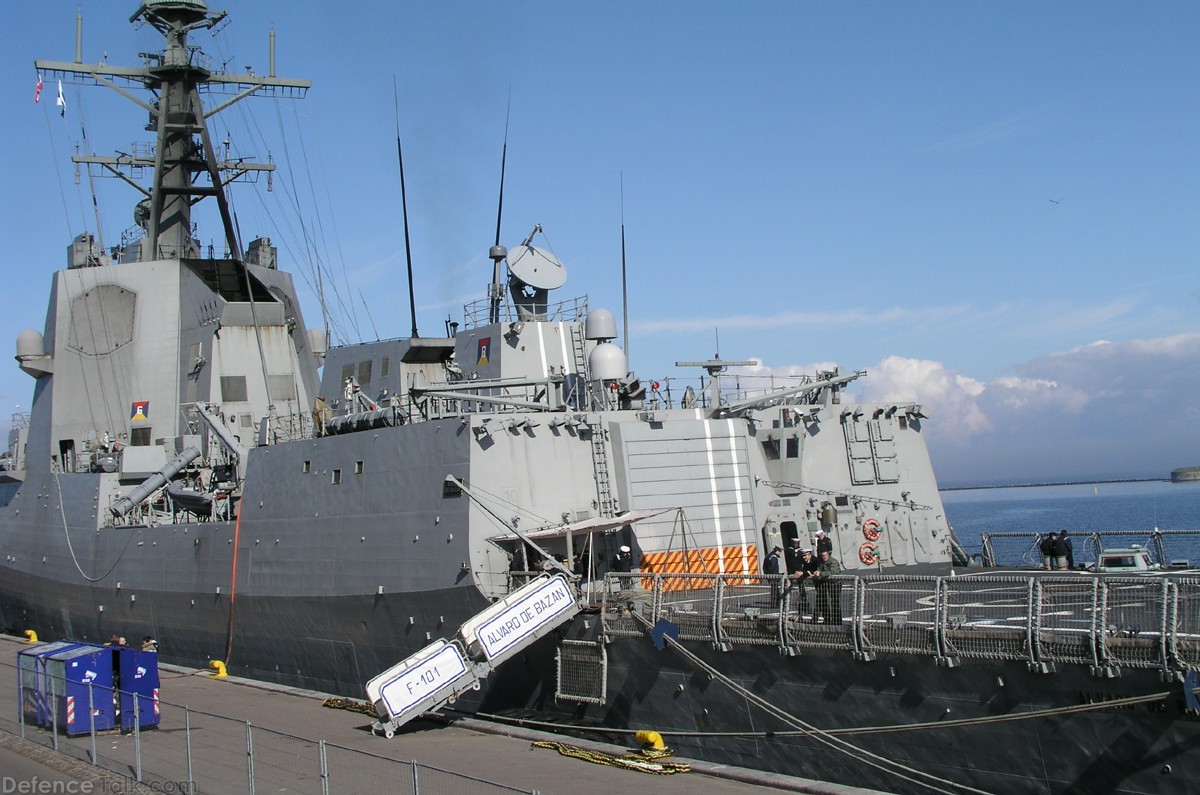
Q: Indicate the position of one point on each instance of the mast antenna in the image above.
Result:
(412, 300)
(624, 282)
(498, 252)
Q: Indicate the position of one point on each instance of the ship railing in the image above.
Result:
(1104, 623)
(286, 422)
(569, 310)
(1137, 622)
(986, 617)
(1184, 631)
(461, 398)
(1021, 549)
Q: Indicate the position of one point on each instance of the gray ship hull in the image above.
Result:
(891, 706)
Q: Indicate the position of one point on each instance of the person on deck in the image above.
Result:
(1046, 547)
(623, 560)
(828, 591)
(1064, 557)
(824, 544)
(808, 567)
(792, 556)
(771, 568)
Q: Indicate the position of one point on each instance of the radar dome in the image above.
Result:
(30, 343)
(606, 362)
(600, 325)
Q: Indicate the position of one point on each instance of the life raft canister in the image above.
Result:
(871, 529)
(868, 553)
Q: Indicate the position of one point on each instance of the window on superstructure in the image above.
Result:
(307, 467)
(233, 388)
(347, 373)
(139, 437)
(358, 467)
(793, 447)
(336, 477)
(364, 373)
(282, 387)
(384, 367)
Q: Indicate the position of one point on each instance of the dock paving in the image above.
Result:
(286, 724)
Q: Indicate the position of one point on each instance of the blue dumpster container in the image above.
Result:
(73, 673)
(136, 676)
(32, 685)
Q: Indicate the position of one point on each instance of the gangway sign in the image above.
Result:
(517, 620)
(442, 671)
(428, 679)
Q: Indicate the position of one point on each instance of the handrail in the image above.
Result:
(1106, 623)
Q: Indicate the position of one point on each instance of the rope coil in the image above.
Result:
(644, 761)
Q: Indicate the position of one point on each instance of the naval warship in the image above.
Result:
(519, 527)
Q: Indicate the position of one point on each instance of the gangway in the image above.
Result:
(442, 671)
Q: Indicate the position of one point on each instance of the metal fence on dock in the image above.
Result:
(191, 752)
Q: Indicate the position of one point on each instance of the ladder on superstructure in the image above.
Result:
(605, 502)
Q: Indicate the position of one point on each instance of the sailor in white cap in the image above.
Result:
(808, 565)
(623, 560)
(824, 543)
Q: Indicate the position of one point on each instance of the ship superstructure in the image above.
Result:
(198, 467)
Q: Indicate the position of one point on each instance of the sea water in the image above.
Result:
(1132, 509)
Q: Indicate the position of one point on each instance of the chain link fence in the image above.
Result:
(175, 749)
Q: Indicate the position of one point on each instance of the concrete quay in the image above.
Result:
(287, 722)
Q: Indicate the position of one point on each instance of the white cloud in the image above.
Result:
(951, 397)
(1102, 410)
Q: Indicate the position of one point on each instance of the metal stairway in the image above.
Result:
(442, 671)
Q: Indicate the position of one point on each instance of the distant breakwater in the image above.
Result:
(1087, 482)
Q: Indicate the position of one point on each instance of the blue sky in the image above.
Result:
(992, 207)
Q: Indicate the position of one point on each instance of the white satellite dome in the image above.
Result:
(600, 325)
(30, 343)
(606, 362)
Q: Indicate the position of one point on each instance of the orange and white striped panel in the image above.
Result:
(707, 560)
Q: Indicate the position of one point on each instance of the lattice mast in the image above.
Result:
(183, 150)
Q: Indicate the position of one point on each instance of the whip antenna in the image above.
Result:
(498, 251)
(624, 284)
(412, 300)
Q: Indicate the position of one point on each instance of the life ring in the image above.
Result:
(868, 553)
(871, 530)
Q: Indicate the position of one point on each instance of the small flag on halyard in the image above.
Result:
(37, 92)
(61, 102)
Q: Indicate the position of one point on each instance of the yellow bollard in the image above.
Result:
(650, 739)
(30, 636)
(220, 669)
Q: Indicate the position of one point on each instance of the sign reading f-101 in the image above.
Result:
(521, 618)
(426, 680)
